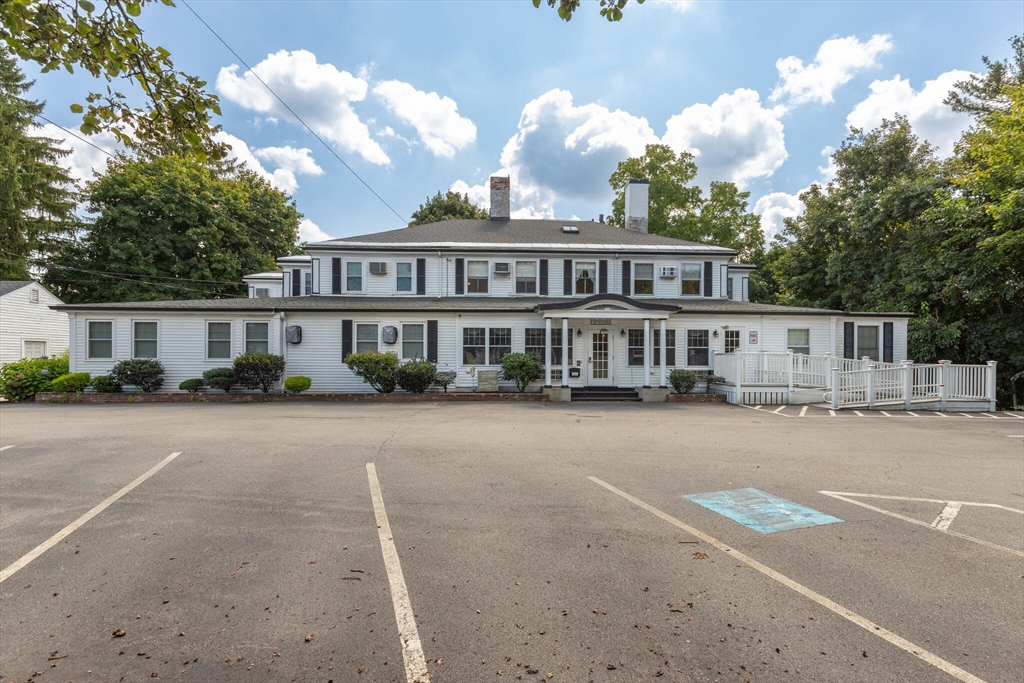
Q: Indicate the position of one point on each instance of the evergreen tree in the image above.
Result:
(445, 207)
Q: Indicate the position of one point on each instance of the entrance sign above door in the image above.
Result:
(600, 321)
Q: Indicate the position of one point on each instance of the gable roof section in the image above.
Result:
(8, 286)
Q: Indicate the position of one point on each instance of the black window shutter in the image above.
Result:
(627, 285)
(602, 270)
(296, 282)
(335, 276)
(848, 340)
(421, 276)
(346, 339)
(432, 340)
(886, 342)
(543, 290)
(460, 276)
(708, 265)
(567, 277)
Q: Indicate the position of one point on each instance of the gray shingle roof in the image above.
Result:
(8, 286)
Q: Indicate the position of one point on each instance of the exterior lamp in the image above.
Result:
(579, 333)
(622, 332)
(714, 333)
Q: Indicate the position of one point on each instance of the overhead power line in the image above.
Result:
(292, 111)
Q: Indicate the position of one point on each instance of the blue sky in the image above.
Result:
(421, 96)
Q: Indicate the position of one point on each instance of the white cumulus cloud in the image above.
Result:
(679, 6)
(297, 160)
(311, 232)
(319, 93)
(774, 208)
(85, 160)
(288, 160)
(836, 62)
(930, 118)
(436, 119)
(735, 138)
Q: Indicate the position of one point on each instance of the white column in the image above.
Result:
(789, 371)
(664, 356)
(565, 352)
(647, 353)
(908, 382)
(991, 384)
(943, 379)
(834, 372)
(547, 352)
(871, 385)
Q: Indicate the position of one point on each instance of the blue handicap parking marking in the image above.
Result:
(761, 511)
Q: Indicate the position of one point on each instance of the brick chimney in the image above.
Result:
(636, 205)
(500, 187)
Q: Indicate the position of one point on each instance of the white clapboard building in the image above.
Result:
(600, 305)
(29, 328)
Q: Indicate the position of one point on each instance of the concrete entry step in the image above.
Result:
(605, 394)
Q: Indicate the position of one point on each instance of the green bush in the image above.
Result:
(297, 384)
(417, 375)
(72, 382)
(682, 381)
(105, 384)
(521, 368)
(145, 374)
(192, 385)
(443, 379)
(379, 370)
(20, 380)
(221, 378)
(256, 370)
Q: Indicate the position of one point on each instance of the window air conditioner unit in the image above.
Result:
(669, 271)
(378, 268)
(502, 268)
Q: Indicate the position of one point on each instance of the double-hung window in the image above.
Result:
(670, 347)
(309, 283)
(412, 340)
(643, 279)
(477, 273)
(366, 337)
(474, 345)
(697, 347)
(535, 342)
(526, 277)
(635, 347)
(354, 276)
(586, 275)
(867, 341)
(403, 277)
(218, 340)
(799, 340)
(500, 339)
(556, 352)
(689, 275)
(101, 339)
(257, 337)
(144, 339)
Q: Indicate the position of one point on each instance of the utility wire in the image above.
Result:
(292, 111)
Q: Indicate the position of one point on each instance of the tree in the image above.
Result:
(446, 207)
(610, 9)
(37, 196)
(174, 228)
(106, 42)
(986, 93)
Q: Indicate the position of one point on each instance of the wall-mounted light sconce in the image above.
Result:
(579, 333)
(622, 332)
(714, 334)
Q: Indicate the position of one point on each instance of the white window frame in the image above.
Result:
(634, 278)
(34, 341)
(794, 346)
(700, 279)
(355, 334)
(362, 277)
(489, 278)
(536, 278)
(307, 282)
(401, 338)
(230, 340)
(412, 278)
(146, 320)
(245, 334)
(705, 330)
(878, 340)
(462, 345)
(88, 327)
(265, 294)
(596, 277)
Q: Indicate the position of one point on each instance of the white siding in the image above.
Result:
(23, 320)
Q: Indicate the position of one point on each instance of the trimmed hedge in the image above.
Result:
(521, 368)
(416, 376)
(682, 381)
(443, 379)
(145, 374)
(105, 384)
(379, 370)
(297, 384)
(256, 370)
(72, 382)
(221, 378)
(21, 379)
(192, 385)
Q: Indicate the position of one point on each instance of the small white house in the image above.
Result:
(29, 328)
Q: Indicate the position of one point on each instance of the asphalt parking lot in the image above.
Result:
(490, 542)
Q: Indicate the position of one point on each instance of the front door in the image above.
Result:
(599, 359)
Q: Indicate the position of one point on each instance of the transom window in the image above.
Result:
(799, 340)
(101, 339)
(635, 347)
(732, 340)
(585, 277)
(689, 275)
(696, 347)
(477, 273)
(257, 337)
(218, 340)
(670, 347)
(366, 337)
(412, 340)
(354, 276)
(500, 339)
(526, 277)
(867, 341)
(403, 275)
(144, 339)
(643, 279)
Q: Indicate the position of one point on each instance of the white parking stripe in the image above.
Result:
(885, 413)
(831, 412)
(1015, 436)
(947, 515)
(4, 448)
(995, 417)
(866, 624)
(912, 414)
(803, 411)
(779, 409)
(412, 648)
(941, 414)
(859, 414)
(1019, 417)
(70, 528)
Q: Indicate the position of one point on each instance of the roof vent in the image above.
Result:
(570, 229)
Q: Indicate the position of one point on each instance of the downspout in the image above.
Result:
(439, 273)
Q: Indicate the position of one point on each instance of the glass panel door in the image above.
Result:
(600, 359)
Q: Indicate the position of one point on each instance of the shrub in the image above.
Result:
(192, 385)
(445, 378)
(72, 382)
(20, 380)
(297, 384)
(144, 374)
(221, 378)
(417, 375)
(682, 381)
(521, 368)
(105, 384)
(256, 370)
(379, 370)
(715, 379)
